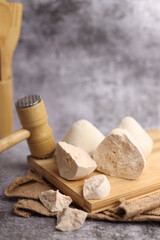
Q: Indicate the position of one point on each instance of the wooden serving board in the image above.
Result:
(147, 183)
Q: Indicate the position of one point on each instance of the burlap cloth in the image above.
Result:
(28, 188)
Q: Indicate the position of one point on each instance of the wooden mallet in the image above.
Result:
(36, 130)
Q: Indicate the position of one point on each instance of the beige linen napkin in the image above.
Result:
(28, 188)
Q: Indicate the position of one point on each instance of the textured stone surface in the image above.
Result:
(90, 59)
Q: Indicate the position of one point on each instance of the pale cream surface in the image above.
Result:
(84, 135)
(119, 156)
(73, 162)
(70, 219)
(143, 140)
(54, 201)
(96, 187)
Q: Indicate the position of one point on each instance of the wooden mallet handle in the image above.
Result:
(13, 139)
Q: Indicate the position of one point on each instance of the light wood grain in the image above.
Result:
(36, 130)
(41, 141)
(147, 183)
(16, 10)
(13, 139)
(10, 26)
(5, 24)
(6, 108)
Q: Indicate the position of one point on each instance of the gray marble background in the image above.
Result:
(98, 60)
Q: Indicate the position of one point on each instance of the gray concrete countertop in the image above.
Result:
(91, 59)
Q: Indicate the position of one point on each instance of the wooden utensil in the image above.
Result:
(9, 45)
(6, 114)
(148, 182)
(6, 109)
(16, 10)
(33, 117)
(5, 24)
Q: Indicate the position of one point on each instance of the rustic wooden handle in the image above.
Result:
(13, 139)
(6, 108)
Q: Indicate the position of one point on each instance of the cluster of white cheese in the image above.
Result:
(84, 149)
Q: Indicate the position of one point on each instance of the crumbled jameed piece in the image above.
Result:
(119, 155)
(96, 187)
(70, 219)
(84, 135)
(54, 201)
(142, 138)
(73, 162)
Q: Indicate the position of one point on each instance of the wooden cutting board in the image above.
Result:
(147, 183)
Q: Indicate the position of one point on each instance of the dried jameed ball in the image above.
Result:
(73, 163)
(96, 187)
(143, 140)
(70, 219)
(84, 135)
(119, 155)
(54, 201)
